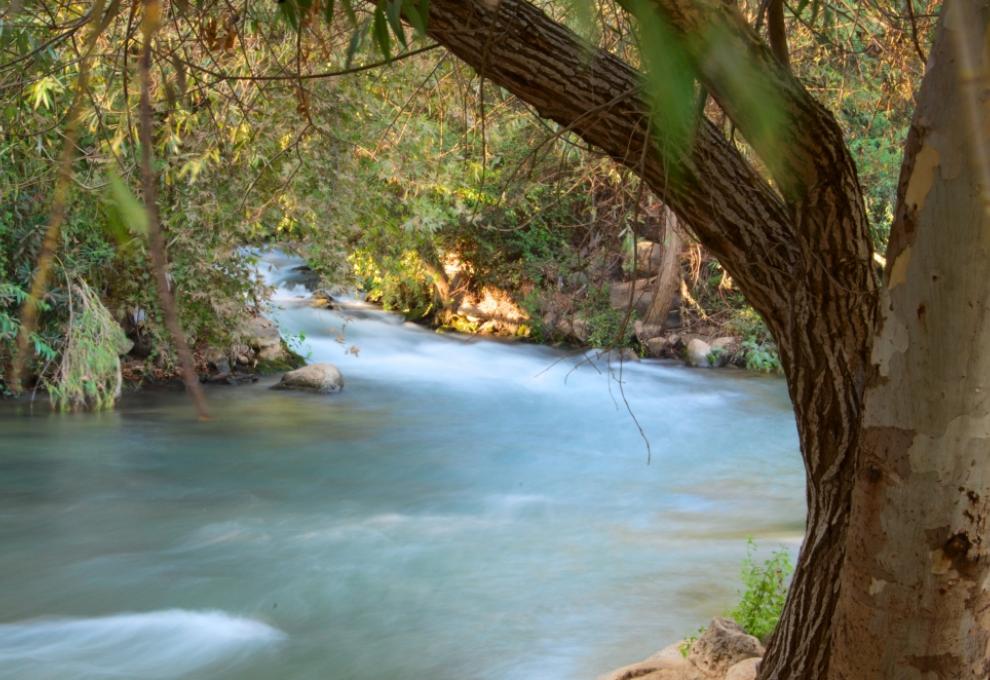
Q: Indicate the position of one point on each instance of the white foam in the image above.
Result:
(156, 645)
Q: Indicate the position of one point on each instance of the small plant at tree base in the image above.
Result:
(765, 590)
(762, 600)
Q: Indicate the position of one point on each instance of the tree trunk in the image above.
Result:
(803, 259)
(669, 278)
(914, 600)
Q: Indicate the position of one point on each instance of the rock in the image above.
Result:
(723, 645)
(322, 378)
(657, 347)
(646, 331)
(580, 328)
(618, 355)
(563, 328)
(697, 353)
(324, 299)
(263, 337)
(640, 289)
(667, 664)
(744, 670)
(725, 349)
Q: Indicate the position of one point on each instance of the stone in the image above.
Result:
(657, 347)
(618, 355)
(580, 328)
(640, 289)
(744, 670)
(323, 299)
(646, 331)
(263, 337)
(724, 349)
(667, 664)
(723, 645)
(697, 353)
(321, 378)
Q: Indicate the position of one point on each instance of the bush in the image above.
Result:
(762, 600)
(765, 590)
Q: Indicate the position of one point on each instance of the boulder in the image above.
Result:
(641, 291)
(725, 349)
(263, 337)
(744, 670)
(321, 378)
(723, 645)
(667, 664)
(697, 353)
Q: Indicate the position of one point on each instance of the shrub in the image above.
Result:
(765, 590)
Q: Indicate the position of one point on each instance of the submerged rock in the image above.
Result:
(321, 378)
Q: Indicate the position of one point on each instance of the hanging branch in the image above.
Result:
(156, 240)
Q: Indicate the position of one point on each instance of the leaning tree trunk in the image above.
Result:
(914, 591)
(800, 252)
(669, 277)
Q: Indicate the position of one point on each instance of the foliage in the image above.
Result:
(764, 592)
(607, 327)
(89, 373)
(762, 599)
(759, 349)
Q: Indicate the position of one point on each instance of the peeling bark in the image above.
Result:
(915, 603)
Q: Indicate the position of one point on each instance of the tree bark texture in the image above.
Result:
(669, 276)
(915, 601)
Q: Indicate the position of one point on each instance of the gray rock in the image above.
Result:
(640, 290)
(697, 353)
(723, 645)
(263, 337)
(322, 378)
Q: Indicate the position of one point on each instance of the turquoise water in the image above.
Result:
(464, 509)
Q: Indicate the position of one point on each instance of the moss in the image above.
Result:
(291, 361)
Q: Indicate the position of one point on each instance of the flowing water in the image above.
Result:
(464, 509)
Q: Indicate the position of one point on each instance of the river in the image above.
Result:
(464, 509)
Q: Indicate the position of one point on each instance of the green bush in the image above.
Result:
(764, 593)
(762, 600)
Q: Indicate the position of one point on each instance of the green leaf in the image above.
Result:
(382, 36)
(670, 78)
(128, 215)
(357, 37)
(395, 21)
(417, 20)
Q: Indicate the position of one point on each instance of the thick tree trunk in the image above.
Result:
(914, 596)
(801, 256)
